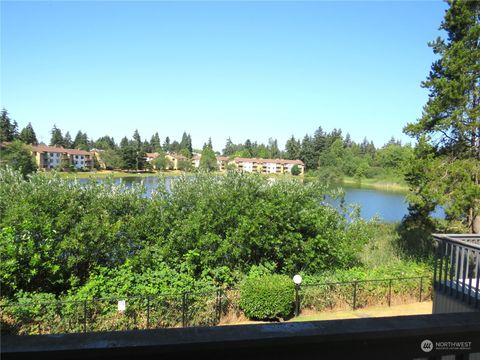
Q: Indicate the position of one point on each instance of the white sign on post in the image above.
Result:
(122, 305)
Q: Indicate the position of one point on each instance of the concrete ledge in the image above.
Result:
(393, 337)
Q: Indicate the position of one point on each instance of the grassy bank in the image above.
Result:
(390, 184)
(377, 184)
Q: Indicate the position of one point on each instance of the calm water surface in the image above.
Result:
(388, 206)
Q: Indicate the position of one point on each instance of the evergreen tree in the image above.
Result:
(18, 156)
(307, 153)
(137, 140)
(189, 145)
(293, 148)
(208, 161)
(447, 169)
(166, 144)
(155, 143)
(67, 140)
(319, 141)
(146, 146)
(8, 128)
(124, 142)
(81, 141)
(57, 137)
(273, 149)
(248, 147)
(104, 143)
(348, 141)
(27, 135)
(229, 148)
(186, 144)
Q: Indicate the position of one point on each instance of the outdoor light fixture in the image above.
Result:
(297, 279)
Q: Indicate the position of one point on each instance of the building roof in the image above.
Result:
(152, 155)
(177, 156)
(59, 149)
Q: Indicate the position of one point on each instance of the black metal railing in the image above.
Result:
(200, 308)
(107, 314)
(457, 265)
(364, 293)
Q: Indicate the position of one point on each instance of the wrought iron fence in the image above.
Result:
(363, 293)
(202, 308)
(116, 313)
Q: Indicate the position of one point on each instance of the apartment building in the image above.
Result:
(268, 166)
(256, 165)
(52, 157)
(172, 157)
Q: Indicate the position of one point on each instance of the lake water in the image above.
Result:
(388, 206)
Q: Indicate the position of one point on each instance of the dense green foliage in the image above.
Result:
(446, 170)
(17, 156)
(267, 297)
(206, 227)
(295, 170)
(208, 161)
(8, 128)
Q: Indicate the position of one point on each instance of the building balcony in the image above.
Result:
(456, 273)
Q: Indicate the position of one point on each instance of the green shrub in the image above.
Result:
(267, 297)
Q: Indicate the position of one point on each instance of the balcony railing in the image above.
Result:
(457, 265)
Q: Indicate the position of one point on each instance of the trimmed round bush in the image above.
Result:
(267, 297)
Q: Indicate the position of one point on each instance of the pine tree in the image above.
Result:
(319, 141)
(307, 153)
(447, 167)
(155, 143)
(57, 137)
(166, 144)
(81, 141)
(8, 128)
(67, 140)
(229, 148)
(27, 135)
(293, 148)
(208, 161)
(137, 140)
(186, 145)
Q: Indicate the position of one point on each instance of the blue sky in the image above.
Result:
(240, 69)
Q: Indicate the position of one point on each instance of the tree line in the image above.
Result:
(331, 153)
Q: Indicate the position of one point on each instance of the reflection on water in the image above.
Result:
(388, 206)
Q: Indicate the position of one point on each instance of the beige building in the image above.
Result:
(52, 157)
(261, 166)
(269, 166)
(172, 157)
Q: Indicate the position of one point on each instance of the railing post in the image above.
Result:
(297, 300)
(354, 295)
(84, 315)
(220, 305)
(184, 307)
(421, 286)
(389, 292)
(148, 311)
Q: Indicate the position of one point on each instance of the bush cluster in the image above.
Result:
(267, 297)
(206, 227)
